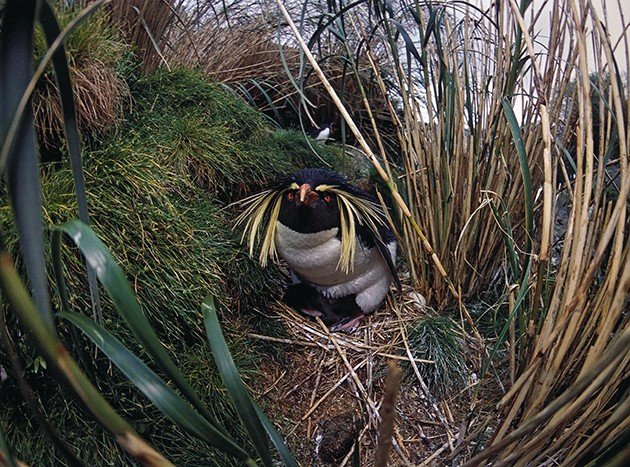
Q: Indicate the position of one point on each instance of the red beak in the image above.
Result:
(306, 195)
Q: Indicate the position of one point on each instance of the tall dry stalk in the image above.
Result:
(490, 115)
(147, 26)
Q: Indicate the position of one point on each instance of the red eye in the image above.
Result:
(290, 196)
(328, 198)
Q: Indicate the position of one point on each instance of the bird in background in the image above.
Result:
(334, 238)
(321, 134)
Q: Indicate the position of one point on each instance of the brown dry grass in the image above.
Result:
(100, 99)
(101, 94)
(332, 380)
(472, 217)
(146, 25)
(238, 45)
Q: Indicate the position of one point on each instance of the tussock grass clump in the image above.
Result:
(96, 52)
(436, 338)
(215, 139)
(307, 153)
(172, 235)
(96, 447)
(175, 250)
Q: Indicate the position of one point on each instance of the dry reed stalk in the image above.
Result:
(147, 24)
(359, 384)
(465, 187)
(578, 314)
(388, 415)
(512, 337)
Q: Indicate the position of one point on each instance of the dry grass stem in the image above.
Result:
(510, 174)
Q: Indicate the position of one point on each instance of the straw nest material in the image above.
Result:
(330, 393)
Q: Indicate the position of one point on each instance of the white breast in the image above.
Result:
(315, 257)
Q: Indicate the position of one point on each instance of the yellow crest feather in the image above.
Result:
(261, 215)
(353, 210)
(261, 219)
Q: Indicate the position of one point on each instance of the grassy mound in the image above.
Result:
(158, 192)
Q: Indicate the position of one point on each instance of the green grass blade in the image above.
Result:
(22, 171)
(518, 305)
(243, 92)
(519, 143)
(287, 458)
(327, 20)
(287, 69)
(58, 357)
(57, 264)
(113, 279)
(503, 219)
(152, 386)
(233, 382)
(409, 44)
(52, 30)
(267, 97)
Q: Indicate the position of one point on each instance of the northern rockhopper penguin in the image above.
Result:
(335, 240)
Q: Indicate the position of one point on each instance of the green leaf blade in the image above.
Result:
(232, 381)
(52, 31)
(115, 283)
(519, 143)
(276, 439)
(150, 384)
(18, 143)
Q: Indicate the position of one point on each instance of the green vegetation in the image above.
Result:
(435, 338)
(505, 170)
(157, 188)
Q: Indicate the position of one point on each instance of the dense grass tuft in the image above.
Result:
(96, 56)
(435, 338)
(216, 140)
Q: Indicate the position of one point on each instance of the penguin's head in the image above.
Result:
(309, 201)
(310, 204)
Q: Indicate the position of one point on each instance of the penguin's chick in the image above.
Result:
(337, 278)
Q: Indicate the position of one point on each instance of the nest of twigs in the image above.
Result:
(329, 398)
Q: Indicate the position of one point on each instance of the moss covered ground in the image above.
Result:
(159, 189)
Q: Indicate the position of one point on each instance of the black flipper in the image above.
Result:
(380, 240)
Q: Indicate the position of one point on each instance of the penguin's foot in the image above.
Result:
(347, 325)
(311, 312)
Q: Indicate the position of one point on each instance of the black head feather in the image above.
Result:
(323, 213)
(316, 177)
